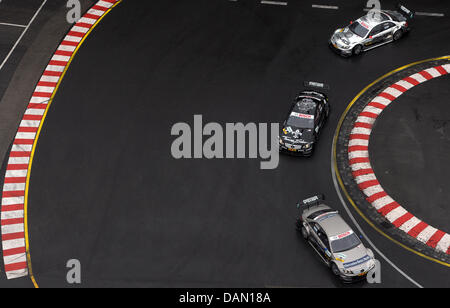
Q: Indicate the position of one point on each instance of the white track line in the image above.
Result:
(329, 7)
(430, 14)
(416, 13)
(23, 33)
(12, 25)
(336, 187)
(273, 2)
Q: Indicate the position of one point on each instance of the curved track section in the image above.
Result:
(14, 198)
(358, 154)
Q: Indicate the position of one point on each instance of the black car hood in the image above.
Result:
(294, 135)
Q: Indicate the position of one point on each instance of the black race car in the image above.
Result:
(305, 120)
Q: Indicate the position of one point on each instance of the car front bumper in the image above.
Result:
(339, 51)
(296, 152)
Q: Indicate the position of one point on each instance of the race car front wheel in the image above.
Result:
(398, 34)
(335, 269)
(357, 50)
(305, 233)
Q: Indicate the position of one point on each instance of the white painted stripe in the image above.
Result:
(328, 7)
(12, 200)
(404, 84)
(60, 58)
(12, 214)
(33, 111)
(17, 273)
(429, 14)
(14, 187)
(372, 110)
(49, 79)
(39, 100)
(409, 224)
(367, 120)
(446, 67)
(395, 214)
(18, 160)
(356, 154)
(394, 92)
(21, 257)
(80, 29)
(361, 130)
(15, 174)
(55, 68)
(22, 147)
(96, 12)
(426, 234)
(433, 72)
(274, 2)
(10, 244)
(379, 203)
(355, 142)
(87, 20)
(12, 25)
(418, 77)
(364, 178)
(382, 100)
(71, 38)
(29, 123)
(105, 4)
(67, 48)
(359, 166)
(370, 191)
(44, 89)
(12, 228)
(444, 243)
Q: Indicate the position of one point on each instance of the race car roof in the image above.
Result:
(334, 225)
(305, 105)
(370, 20)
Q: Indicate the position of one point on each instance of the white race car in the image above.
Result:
(370, 31)
(334, 241)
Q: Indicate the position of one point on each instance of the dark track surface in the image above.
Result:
(416, 125)
(105, 189)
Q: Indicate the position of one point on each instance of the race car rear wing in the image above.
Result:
(407, 13)
(317, 85)
(315, 200)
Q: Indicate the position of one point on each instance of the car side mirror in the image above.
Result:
(298, 205)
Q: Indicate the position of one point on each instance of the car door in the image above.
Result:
(374, 36)
(387, 31)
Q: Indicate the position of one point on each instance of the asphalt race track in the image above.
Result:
(106, 190)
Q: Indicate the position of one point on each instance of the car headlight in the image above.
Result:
(346, 271)
(281, 141)
(307, 146)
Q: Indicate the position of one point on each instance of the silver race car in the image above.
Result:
(334, 241)
(372, 30)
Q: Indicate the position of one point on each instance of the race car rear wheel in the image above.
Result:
(398, 34)
(335, 269)
(357, 50)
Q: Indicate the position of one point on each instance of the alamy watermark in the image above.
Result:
(74, 273)
(74, 13)
(234, 140)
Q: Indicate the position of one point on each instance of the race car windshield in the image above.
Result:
(346, 243)
(358, 29)
(300, 122)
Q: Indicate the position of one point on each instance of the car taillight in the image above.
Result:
(406, 24)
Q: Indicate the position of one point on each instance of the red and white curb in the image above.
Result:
(358, 154)
(13, 198)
